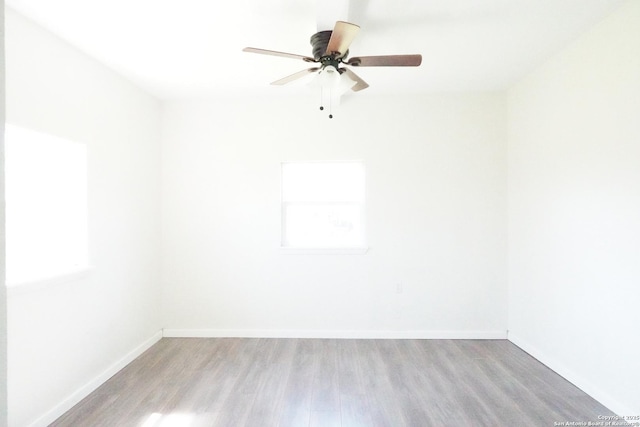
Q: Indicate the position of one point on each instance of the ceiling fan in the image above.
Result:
(330, 50)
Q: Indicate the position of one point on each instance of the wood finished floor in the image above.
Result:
(233, 382)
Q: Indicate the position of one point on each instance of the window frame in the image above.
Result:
(75, 270)
(329, 249)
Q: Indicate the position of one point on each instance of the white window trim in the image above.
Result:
(286, 250)
(35, 285)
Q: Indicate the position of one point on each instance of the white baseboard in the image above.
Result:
(571, 376)
(92, 385)
(351, 334)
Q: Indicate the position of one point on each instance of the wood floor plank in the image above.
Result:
(325, 394)
(338, 383)
(355, 411)
(296, 399)
(269, 402)
(350, 369)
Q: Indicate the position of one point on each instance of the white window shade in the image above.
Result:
(323, 182)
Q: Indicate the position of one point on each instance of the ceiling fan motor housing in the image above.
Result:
(319, 42)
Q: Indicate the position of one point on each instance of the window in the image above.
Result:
(46, 206)
(323, 205)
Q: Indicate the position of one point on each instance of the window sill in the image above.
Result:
(34, 285)
(324, 251)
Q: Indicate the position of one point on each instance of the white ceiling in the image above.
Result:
(193, 48)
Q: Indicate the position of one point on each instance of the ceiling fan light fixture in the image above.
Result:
(328, 78)
(332, 84)
(331, 79)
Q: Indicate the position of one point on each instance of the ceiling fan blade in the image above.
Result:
(276, 53)
(386, 61)
(341, 38)
(360, 84)
(295, 76)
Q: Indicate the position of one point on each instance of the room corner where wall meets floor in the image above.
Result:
(91, 386)
(334, 334)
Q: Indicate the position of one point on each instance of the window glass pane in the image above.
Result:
(46, 205)
(329, 182)
(324, 225)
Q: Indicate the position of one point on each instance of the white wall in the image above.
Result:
(436, 215)
(64, 338)
(3, 291)
(574, 210)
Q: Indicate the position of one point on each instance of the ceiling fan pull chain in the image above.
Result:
(330, 104)
(321, 99)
